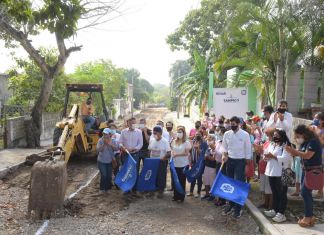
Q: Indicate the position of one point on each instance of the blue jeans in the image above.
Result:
(235, 169)
(89, 121)
(307, 197)
(105, 175)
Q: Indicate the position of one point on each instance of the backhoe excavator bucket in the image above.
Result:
(47, 189)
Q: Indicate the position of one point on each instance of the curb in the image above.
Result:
(265, 226)
(6, 171)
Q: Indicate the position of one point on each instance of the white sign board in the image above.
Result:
(230, 102)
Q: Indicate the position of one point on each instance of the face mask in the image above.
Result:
(169, 128)
(276, 139)
(226, 126)
(88, 102)
(179, 135)
(281, 110)
(141, 126)
(300, 141)
(133, 126)
(155, 137)
(198, 138)
(221, 122)
(234, 128)
(197, 126)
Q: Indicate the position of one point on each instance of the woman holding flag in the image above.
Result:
(180, 152)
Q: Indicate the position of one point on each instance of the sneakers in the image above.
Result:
(279, 218)
(227, 211)
(205, 197)
(270, 213)
(237, 216)
(197, 195)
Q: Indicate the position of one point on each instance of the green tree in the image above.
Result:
(178, 70)
(27, 83)
(161, 94)
(142, 89)
(21, 19)
(102, 71)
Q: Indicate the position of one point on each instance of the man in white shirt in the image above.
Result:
(282, 119)
(160, 148)
(237, 150)
(131, 140)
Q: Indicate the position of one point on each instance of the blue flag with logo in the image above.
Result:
(175, 178)
(147, 178)
(230, 189)
(196, 170)
(126, 177)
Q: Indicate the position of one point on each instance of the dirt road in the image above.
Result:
(115, 213)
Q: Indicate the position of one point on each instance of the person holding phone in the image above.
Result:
(282, 118)
(106, 148)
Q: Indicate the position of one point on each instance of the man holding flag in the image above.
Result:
(237, 150)
(160, 148)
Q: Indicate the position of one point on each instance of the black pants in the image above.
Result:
(199, 183)
(279, 194)
(162, 175)
(182, 180)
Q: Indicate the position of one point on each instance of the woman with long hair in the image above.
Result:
(180, 152)
(310, 151)
(277, 160)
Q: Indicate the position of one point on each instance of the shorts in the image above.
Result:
(209, 175)
(264, 184)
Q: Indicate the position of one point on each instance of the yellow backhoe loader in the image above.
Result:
(49, 178)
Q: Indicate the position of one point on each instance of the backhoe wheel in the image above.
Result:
(56, 136)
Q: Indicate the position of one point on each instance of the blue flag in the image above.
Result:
(196, 170)
(126, 177)
(230, 189)
(147, 179)
(175, 178)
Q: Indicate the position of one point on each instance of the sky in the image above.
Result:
(134, 40)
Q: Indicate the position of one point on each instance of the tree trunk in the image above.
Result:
(33, 126)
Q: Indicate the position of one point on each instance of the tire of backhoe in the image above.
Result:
(56, 136)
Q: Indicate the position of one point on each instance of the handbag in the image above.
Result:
(314, 177)
(288, 177)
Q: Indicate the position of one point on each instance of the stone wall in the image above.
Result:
(15, 129)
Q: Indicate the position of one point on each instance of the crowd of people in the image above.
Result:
(264, 149)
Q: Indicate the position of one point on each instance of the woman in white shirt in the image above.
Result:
(180, 150)
(277, 160)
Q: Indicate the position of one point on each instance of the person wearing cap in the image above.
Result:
(106, 148)
(160, 148)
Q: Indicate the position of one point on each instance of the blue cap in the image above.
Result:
(316, 122)
(107, 131)
(157, 129)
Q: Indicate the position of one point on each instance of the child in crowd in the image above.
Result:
(210, 167)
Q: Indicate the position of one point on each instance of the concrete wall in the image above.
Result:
(16, 136)
(311, 78)
(293, 90)
(5, 94)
